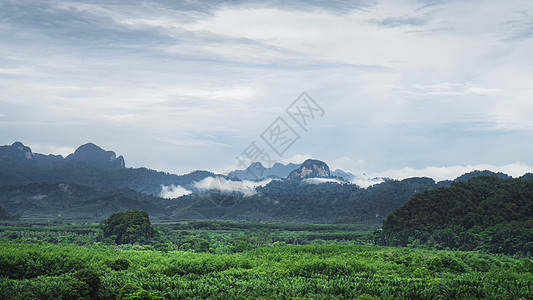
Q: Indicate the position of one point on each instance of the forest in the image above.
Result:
(485, 213)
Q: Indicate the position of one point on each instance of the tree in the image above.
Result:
(128, 227)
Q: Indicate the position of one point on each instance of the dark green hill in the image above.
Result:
(484, 213)
(72, 201)
(4, 215)
(89, 165)
(295, 201)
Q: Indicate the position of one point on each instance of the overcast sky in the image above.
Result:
(429, 87)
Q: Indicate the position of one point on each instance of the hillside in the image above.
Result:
(484, 213)
(298, 201)
(66, 201)
(89, 165)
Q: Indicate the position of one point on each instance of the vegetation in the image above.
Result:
(484, 213)
(128, 227)
(47, 201)
(278, 272)
(293, 201)
(277, 201)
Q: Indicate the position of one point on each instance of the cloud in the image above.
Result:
(346, 163)
(172, 191)
(367, 182)
(399, 22)
(321, 180)
(220, 184)
(452, 89)
(520, 28)
(516, 169)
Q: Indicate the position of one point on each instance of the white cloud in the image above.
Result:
(172, 191)
(246, 187)
(367, 182)
(321, 180)
(451, 172)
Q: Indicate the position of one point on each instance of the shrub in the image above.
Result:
(133, 292)
(91, 278)
(76, 289)
(120, 264)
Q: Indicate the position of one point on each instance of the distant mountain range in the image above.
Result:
(92, 183)
(19, 155)
(89, 165)
(257, 172)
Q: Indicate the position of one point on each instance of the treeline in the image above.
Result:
(484, 213)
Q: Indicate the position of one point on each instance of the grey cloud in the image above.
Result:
(399, 21)
(335, 6)
(430, 3)
(80, 28)
(520, 29)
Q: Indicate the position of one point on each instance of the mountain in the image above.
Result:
(72, 201)
(310, 168)
(485, 213)
(16, 154)
(17, 165)
(346, 176)
(256, 171)
(92, 182)
(476, 173)
(89, 165)
(527, 176)
(4, 215)
(48, 162)
(97, 157)
(299, 201)
(19, 155)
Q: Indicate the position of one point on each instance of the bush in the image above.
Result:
(120, 264)
(91, 278)
(76, 289)
(133, 292)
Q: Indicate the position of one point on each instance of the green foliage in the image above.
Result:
(44, 201)
(282, 272)
(484, 213)
(421, 272)
(91, 278)
(128, 227)
(20, 261)
(75, 289)
(292, 201)
(120, 264)
(133, 292)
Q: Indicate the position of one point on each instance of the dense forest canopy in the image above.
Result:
(483, 213)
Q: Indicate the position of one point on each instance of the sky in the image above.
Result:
(394, 88)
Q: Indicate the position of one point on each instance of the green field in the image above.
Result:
(230, 260)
